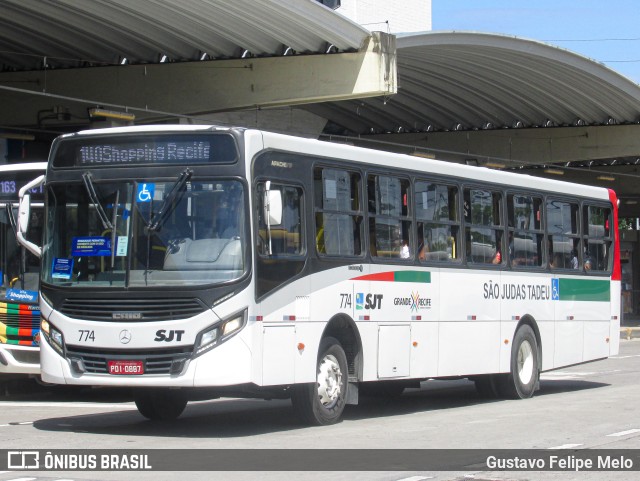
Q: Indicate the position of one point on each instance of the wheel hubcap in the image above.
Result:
(329, 381)
(525, 362)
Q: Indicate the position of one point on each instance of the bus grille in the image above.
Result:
(133, 310)
(155, 361)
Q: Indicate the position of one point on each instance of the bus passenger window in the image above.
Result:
(525, 230)
(597, 238)
(564, 239)
(338, 216)
(438, 221)
(484, 231)
(389, 222)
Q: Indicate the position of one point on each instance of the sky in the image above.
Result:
(607, 31)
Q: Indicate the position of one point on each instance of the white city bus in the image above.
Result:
(191, 262)
(19, 271)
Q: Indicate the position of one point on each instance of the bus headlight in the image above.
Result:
(217, 334)
(56, 338)
(232, 326)
(208, 337)
(52, 335)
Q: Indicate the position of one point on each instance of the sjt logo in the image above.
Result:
(161, 335)
(370, 301)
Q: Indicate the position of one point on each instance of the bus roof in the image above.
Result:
(271, 140)
(149, 129)
(403, 161)
(24, 166)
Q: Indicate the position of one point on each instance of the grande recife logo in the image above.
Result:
(415, 302)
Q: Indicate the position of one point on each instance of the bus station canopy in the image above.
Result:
(446, 80)
(465, 81)
(163, 60)
(80, 33)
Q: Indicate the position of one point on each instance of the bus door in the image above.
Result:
(282, 289)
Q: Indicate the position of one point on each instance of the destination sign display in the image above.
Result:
(9, 188)
(150, 149)
(147, 153)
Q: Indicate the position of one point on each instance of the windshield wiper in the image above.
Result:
(88, 183)
(11, 217)
(106, 223)
(114, 229)
(168, 204)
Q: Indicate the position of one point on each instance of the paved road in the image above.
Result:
(590, 406)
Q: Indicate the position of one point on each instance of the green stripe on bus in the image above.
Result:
(11, 331)
(412, 276)
(585, 290)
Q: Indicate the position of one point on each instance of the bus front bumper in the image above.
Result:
(227, 365)
(19, 359)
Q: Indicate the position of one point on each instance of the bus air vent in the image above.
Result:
(132, 310)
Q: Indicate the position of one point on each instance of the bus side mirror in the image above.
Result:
(272, 211)
(24, 213)
(274, 207)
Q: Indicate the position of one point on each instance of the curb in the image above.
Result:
(629, 333)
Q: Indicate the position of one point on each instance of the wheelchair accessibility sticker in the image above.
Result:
(555, 289)
(145, 192)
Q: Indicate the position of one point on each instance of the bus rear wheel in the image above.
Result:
(323, 402)
(160, 405)
(523, 379)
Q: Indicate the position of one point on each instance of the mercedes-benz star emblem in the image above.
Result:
(125, 336)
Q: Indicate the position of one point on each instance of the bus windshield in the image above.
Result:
(137, 234)
(18, 269)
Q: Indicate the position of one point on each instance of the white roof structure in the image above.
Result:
(446, 80)
(77, 33)
(466, 80)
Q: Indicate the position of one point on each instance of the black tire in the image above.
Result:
(160, 405)
(524, 377)
(322, 403)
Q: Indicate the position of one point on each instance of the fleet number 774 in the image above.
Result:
(86, 335)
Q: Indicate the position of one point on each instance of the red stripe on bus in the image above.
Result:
(616, 275)
(381, 276)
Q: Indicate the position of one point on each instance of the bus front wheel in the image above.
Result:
(160, 405)
(322, 403)
(523, 379)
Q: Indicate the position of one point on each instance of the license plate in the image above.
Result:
(125, 367)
